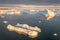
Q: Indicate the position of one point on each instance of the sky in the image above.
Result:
(31, 2)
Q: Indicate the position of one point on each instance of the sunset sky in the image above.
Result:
(33, 2)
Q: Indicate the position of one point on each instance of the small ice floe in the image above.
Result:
(5, 21)
(55, 34)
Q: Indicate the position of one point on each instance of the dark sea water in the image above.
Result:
(48, 27)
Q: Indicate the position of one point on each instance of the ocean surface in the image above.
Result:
(50, 29)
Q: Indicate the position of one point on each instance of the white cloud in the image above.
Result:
(29, 27)
(55, 34)
(5, 21)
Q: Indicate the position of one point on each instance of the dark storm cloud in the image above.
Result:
(34, 2)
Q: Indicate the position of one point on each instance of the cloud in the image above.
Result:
(50, 14)
(25, 30)
(26, 26)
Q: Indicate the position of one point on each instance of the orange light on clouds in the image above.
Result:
(50, 14)
(23, 31)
